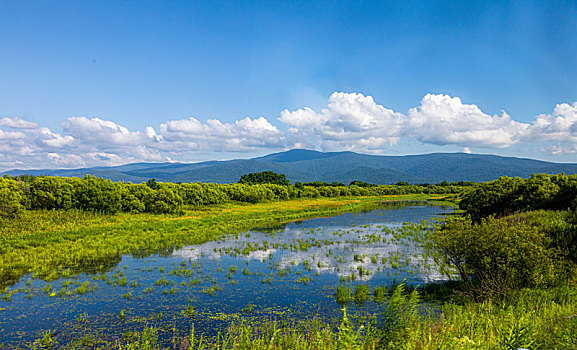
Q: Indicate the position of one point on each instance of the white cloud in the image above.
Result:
(17, 123)
(213, 135)
(561, 126)
(10, 135)
(352, 121)
(103, 132)
(444, 120)
(65, 160)
(46, 137)
(355, 122)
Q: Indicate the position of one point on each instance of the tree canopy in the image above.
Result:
(264, 177)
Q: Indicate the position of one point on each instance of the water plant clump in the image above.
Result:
(361, 293)
(343, 295)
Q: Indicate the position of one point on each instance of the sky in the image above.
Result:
(90, 83)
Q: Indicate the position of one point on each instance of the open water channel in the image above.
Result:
(286, 272)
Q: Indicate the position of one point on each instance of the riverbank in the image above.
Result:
(49, 243)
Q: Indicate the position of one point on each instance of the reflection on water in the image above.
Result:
(288, 271)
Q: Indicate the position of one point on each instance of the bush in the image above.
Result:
(11, 197)
(506, 196)
(163, 201)
(496, 256)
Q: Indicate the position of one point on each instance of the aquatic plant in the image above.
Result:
(361, 293)
(343, 294)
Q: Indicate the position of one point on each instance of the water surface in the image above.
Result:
(284, 272)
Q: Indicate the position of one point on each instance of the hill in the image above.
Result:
(305, 165)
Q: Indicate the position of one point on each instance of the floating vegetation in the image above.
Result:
(293, 264)
(361, 293)
(343, 295)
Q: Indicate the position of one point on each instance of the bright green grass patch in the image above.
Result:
(46, 243)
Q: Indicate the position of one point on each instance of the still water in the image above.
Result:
(286, 272)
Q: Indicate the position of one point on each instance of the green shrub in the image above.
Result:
(499, 255)
(11, 197)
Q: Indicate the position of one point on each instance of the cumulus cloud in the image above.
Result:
(104, 132)
(94, 141)
(561, 126)
(10, 135)
(17, 123)
(83, 142)
(45, 137)
(213, 135)
(444, 120)
(352, 121)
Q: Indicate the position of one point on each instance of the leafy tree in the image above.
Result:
(99, 195)
(49, 192)
(131, 204)
(264, 177)
(153, 184)
(506, 195)
(163, 200)
(11, 197)
(361, 184)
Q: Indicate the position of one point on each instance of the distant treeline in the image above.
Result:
(104, 196)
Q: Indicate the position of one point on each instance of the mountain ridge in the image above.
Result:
(308, 165)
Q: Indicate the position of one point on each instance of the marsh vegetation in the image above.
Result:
(376, 271)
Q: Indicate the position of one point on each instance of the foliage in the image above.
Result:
(347, 337)
(264, 177)
(11, 197)
(506, 195)
(163, 200)
(496, 256)
(104, 196)
(399, 316)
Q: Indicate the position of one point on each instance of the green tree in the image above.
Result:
(11, 197)
(99, 195)
(163, 200)
(264, 177)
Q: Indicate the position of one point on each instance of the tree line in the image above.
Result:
(105, 196)
(507, 195)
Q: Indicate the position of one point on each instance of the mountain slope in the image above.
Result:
(344, 167)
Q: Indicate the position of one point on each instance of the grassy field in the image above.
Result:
(49, 243)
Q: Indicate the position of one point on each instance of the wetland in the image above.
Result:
(297, 270)
(94, 264)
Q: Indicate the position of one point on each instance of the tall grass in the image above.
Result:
(533, 319)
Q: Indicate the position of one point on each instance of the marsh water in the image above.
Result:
(284, 272)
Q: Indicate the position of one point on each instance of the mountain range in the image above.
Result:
(306, 165)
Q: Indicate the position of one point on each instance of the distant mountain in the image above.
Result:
(305, 165)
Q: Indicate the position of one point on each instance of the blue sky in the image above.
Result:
(107, 82)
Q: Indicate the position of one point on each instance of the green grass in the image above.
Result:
(50, 244)
(532, 319)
